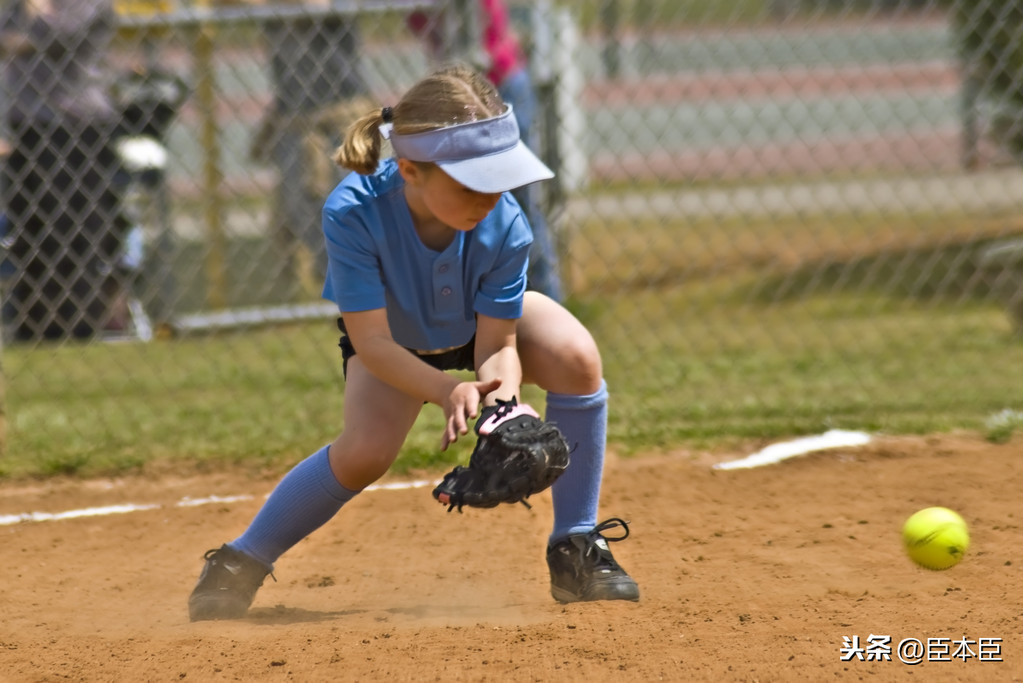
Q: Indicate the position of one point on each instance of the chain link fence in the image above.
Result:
(717, 162)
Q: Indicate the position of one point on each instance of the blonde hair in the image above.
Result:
(452, 95)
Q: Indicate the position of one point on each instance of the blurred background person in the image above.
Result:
(318, 89)
(59, 189)
(502, 58)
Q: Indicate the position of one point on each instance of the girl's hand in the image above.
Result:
(461, 406)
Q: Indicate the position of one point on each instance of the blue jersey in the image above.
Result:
(376, 260)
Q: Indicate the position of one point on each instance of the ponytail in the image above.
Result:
(360, 151)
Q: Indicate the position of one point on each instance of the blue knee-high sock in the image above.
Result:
(583, 421)
(304, 500)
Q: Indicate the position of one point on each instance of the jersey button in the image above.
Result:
(446, 291)
(443, 268)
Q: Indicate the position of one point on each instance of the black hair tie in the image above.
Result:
(387, 114)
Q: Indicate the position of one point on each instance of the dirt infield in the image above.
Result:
(758, 574)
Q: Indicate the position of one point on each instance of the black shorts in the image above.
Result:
(462, 358)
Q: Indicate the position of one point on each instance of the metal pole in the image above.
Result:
(3, 405)
(611, 19)
(968, 94)
(213, 175)
(970, 84)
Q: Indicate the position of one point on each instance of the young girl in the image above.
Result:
(427, 264)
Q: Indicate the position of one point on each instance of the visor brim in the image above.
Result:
(499, 172)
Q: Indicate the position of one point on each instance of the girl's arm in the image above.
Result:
(497, 357)
(392, 363)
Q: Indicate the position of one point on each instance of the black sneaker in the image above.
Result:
(227, 585)
(582, 567)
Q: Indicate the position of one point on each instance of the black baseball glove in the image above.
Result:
(517, 454)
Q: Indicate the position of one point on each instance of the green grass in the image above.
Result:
(879, 251)
(713, 333)
(265, 399)
(853, 362)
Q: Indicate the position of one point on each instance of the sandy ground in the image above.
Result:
(758, 574)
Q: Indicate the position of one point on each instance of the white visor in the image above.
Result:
(485, 156)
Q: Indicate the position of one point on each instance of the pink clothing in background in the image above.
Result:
(499, 39)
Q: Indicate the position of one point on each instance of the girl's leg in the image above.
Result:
(559, 355)
(305, 499)
(377, 420)
(583, 421)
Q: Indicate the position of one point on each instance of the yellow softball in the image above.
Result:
(936, 538)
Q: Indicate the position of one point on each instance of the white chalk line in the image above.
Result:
(774, 453)
(834, 438)
(186, 502)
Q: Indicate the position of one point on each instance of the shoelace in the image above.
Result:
(604, 556)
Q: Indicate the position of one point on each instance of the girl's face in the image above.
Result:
(432, 193)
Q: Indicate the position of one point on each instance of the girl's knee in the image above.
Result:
(580, 361)
(583, 353)
(358, 462)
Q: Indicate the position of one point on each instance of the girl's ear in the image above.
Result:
(410, 171)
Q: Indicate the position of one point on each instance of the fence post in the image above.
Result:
(610, 19)
(571, 129)
(213, 175)
(3, 404)
(969, 93)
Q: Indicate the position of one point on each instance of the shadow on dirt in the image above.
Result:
(446, 613)
(281, 615)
